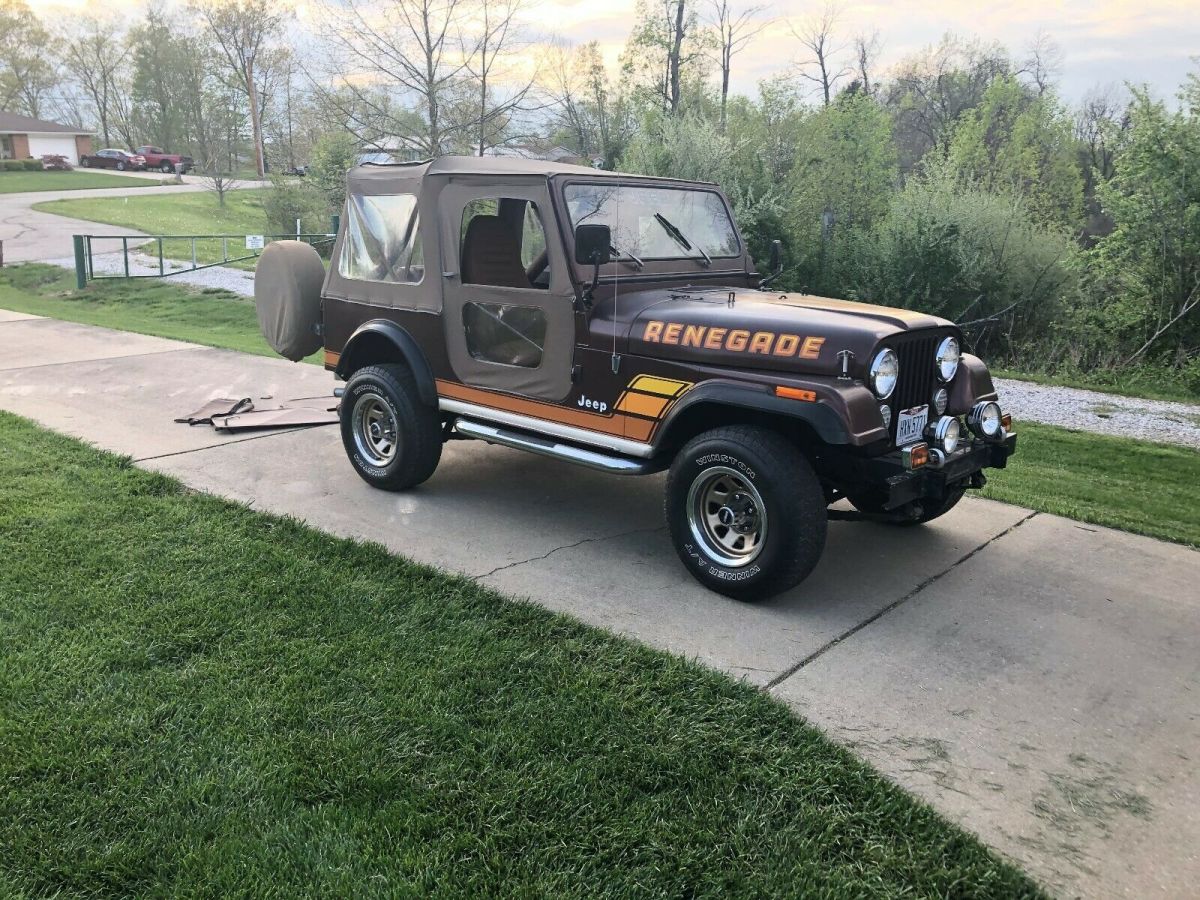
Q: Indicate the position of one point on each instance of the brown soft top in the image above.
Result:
(376, 175)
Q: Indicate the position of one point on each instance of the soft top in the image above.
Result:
(376, 175)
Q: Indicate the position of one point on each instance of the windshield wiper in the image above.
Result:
(704, 259)
(628, 257)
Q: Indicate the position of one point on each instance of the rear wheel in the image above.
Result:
(120, 167)
(167, 167)
(85, 162)
(393, 440)
(746, 513)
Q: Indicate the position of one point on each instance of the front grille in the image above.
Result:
(918, 375)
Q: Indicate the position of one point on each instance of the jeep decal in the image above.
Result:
(735, 340)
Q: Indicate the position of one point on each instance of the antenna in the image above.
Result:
(616, 359)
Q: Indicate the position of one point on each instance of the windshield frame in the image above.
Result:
(642, 182)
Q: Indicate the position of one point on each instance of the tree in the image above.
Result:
(243, 32)
(1018, 142)
(27, 54)
(496, 39)
(866, 52)
(96, 56)
(592, 115)
(1147, 270)
(1043, 62)
(735, 30)
(816, 35)
(665, 54)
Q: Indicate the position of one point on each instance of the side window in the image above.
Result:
(383, 241)
(505, 334)
(502, 243)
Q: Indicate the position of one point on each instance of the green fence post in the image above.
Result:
(80, 263)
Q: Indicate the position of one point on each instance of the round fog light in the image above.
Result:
(886, 412)
(941, 400)
(984, 419)
(946, 433)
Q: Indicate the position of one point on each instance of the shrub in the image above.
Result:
(333, 155)
(11, 165)
(292, 199)
(31, 165)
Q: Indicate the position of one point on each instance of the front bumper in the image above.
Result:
(902, 486)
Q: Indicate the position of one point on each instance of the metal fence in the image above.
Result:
(199, 252)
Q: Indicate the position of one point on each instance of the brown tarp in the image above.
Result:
(220, 406)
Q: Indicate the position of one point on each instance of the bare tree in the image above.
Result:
(27, 60)
(243, 31)
(816, 34)
(488, 49)
(1043, 62)
(866, 52)
(95, 55)
(735, 30)
(407, 47)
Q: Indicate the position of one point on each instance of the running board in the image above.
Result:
(520, 440)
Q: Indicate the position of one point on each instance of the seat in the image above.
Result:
(492, 254)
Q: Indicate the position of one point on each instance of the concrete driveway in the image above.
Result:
(30, 235)
(1033, 678)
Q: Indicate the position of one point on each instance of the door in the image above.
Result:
(507, 298)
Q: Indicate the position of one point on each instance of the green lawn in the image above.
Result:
(199, 699)
(20, 182)
(185, 214)
(1136, 486)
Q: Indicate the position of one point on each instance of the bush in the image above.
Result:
(31, 165)
(291, 199)
(333, 155)
(11, 165)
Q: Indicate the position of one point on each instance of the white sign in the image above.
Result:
(254, 242)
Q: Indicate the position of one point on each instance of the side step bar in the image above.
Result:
(593, 459)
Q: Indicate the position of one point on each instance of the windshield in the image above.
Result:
(635, 215)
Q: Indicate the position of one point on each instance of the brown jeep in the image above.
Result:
(617, 322)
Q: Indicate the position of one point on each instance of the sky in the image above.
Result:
(1154, 42)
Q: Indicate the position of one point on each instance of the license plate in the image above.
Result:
(910, 425)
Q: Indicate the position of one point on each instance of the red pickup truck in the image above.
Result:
(156, 158)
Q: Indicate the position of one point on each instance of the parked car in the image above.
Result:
(54, 162)
(619, 322)
(113, 159)
(157, 158)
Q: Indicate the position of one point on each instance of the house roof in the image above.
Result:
(11, 123)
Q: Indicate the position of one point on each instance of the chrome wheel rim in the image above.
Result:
(727, 516)
(374, 429)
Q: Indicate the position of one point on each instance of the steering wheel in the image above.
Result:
(537, 268)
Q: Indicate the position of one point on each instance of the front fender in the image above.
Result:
(363, 348)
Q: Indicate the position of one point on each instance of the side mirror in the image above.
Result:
(776, 262)
(593, 245)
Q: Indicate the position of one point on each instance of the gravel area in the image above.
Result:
(1150, 420)
(236, 280)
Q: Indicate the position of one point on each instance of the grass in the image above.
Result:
(186, 214)
(20, 182)
(1147, 383)
(164, 308)
(1146, 488)
(199, 699)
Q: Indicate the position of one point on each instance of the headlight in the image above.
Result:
(885, 372)
(984, 419)
(948, 356)
(946, 433)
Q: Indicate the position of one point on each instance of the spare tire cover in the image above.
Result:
(287, 295)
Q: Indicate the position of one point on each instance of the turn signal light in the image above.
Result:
(1006, 421)
(792, 393)
(914, 456)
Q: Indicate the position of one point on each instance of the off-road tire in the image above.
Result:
(930, 508)
(418, 431)
(796, 515)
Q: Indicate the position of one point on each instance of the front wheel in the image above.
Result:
(120, 167)
(393, 440)
(746, 512)
(167, 167)
(85, 162)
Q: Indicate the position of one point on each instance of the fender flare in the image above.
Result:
(823, 420)
(406, 347)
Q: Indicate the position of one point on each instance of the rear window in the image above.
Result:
(382, 241)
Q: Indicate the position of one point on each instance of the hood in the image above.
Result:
(753, 329)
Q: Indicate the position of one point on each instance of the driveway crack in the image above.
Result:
(580, 543)
(823, 649)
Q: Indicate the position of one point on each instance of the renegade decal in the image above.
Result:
(736, 340)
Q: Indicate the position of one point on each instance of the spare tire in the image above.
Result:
(287, 295)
